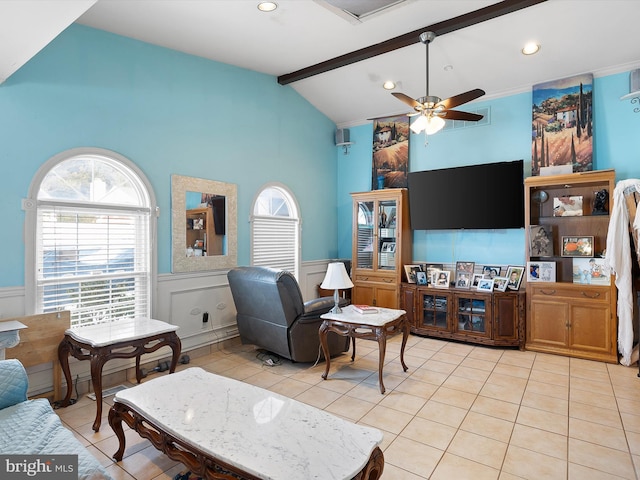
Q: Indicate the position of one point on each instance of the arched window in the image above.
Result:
(90, 237)
(275, 230)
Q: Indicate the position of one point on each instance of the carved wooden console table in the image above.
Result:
(125, 338)
(370, 326)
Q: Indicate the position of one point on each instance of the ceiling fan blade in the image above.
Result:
(456, 115)
(465, 97)
(406, 99)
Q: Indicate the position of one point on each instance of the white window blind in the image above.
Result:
(275, 242)
(93, 261)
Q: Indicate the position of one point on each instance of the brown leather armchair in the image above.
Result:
(272, 315)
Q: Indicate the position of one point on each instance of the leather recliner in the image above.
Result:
(271, 314)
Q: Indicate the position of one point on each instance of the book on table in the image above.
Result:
(365, 309)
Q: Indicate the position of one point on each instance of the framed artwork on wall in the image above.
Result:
(562, 125)
(390, 162)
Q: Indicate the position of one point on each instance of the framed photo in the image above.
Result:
(514, 277)
(500, 283)
(541, 271)
(421, 278)
(430, 268)
(465, 267)
(485, 285)
(198, 223)
(491, 271)
(463, 279)
(476, 278)
(567, 206)
(410, 271)
(540, 241)
(577, 246)
(591, 271)
(441, 278)
(388, 247)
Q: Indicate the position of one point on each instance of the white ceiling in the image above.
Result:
(577, 36)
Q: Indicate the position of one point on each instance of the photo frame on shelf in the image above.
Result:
(430, 268)
(491, 271)
(569, 206)
(421, 278)
(476, 278)
(465, 267)
(541, 271)
(441, 278)
(463, 279)
(500, 283)
(410, 271)
(485, 285)
(388, 247)
(515, 273)
(591, 271)
(577, 246)
(540, 241)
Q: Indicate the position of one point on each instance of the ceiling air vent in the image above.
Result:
(356, 11)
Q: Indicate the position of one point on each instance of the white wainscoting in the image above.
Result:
(181, 299)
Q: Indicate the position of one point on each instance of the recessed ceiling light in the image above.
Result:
(530, 48)
(389, 85)
(267, 6)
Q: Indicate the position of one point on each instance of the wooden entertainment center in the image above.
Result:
(487, 318)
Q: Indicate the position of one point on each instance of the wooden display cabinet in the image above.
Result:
(568, 317)
(381, 246)
(495, 318)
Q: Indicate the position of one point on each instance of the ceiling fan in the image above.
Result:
(432, 110)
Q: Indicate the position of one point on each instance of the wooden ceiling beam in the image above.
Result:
(447, 26)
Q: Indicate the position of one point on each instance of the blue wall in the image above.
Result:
(172, 113)
(508, 137)
(169, 113)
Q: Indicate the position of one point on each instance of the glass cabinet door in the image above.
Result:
(472, 315)
(434, 310)
(365, 234)
(386, 234)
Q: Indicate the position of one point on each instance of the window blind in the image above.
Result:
(275, 242)
(93, 262)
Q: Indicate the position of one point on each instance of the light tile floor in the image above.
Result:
(460, 411)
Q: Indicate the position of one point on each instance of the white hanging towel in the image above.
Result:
(618, 257)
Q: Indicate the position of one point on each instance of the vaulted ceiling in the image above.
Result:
(589, 36)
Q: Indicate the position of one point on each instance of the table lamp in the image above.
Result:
(336, 279)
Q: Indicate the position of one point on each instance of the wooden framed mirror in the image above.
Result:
(203, 223)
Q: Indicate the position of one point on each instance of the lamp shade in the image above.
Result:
(435, 124)
(336, 277)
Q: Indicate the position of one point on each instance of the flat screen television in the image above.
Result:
(487, 196)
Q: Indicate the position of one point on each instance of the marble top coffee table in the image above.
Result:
(121, 338)
(370, 326)
(213, 425)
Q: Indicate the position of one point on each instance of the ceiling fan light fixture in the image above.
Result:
(434, 125)
(530, 48)
(267, 6)
(389, 85)
(430, 124)
(419, 124)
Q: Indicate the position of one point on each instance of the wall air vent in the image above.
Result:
(457, 124)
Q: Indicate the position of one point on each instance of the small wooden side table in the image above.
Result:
(370, 326)
(123, 338)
